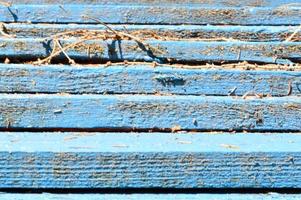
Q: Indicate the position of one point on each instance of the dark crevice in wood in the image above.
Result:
(154, 190)
(89, 61)
(148, 23)
(141, 130)
(133, 93)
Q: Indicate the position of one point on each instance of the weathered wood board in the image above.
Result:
(198, 124)
(221, 12)
(207, 3)
(271, 196)
(145, 79)
(128, 112)
(165, 51)
(164, 32)
(156, 160)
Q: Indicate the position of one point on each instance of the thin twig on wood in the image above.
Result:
(245, 95)
(122, 34)
(56, 53)
(64, 34)
(4, 32)
(293, 34)
(71, 61)
(86, 36)
(104, 24)
(6, 4)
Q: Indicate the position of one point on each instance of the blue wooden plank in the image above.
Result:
(207, 3)
(144, 79)
(282, 14)
(271, 52)
(122, 160)
(175, 112)
(44, 196)
(122, 142)
(170, 32)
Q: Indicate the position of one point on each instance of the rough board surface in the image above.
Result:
(122, 160)
(145, 79)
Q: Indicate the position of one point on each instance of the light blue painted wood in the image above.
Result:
(150, 112)
(271, 52)
(283, 13)
(207, 3)
(180, 32)
(122, 160)
(118, 142)
(45, 196)
(144, 79)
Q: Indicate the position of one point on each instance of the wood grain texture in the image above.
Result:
(150, 112)
(176, 32)
(144, 79)
(116, 160)
(272, 196)
(146, 99)
(283, 13)
(191, 51)
(207, 3)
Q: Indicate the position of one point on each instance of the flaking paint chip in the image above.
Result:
(57, 111)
